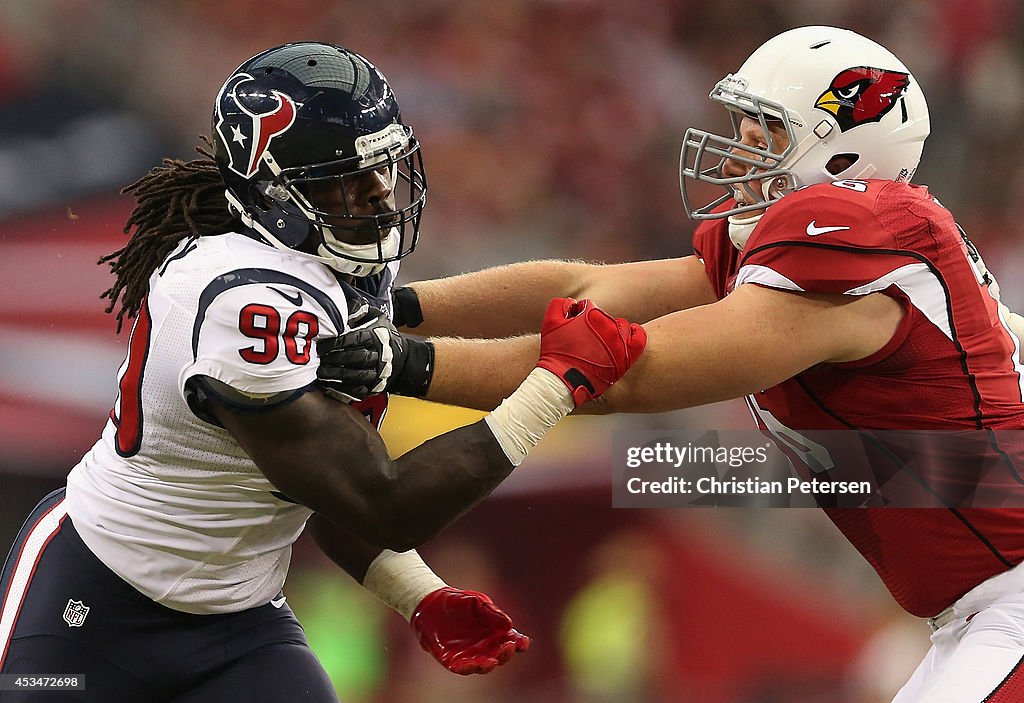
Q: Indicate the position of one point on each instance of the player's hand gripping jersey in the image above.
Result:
(951, 365)
(170, 501)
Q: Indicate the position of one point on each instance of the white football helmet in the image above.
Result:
(836, 93)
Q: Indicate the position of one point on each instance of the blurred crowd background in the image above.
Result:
(550, 128)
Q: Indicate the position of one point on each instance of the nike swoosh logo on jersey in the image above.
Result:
(278, 602)
(813, 230)
(296, 300)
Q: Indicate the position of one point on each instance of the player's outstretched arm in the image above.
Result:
(499, 303)
(509, 300)
(324, 455)
(751, 340)
(375, 358)
(463, 630)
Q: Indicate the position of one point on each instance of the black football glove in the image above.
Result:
(373, 357)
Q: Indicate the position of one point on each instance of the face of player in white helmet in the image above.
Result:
(754, 137)
(842, 105)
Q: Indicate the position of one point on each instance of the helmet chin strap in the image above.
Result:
(741, 226)
(236, 207)
(868, 171)
(389, 245)
(388, 250)
(740, 229)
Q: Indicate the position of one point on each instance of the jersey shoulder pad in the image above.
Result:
(255, 330)
(823, 238)
(840, 212)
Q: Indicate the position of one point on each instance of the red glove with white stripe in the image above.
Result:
(586, 347)
(465, 631)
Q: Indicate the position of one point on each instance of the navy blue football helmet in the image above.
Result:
(306, 118)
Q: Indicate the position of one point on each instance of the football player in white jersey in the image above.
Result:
(157, 573)
(835, 296)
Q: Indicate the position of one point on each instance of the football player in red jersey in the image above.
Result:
(156, 575)
(864, 304)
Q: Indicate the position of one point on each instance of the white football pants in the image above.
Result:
(977, 654)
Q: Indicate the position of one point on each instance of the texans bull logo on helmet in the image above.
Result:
(248, 119)
(862, 95)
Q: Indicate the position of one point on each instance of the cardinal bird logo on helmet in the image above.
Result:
(248, 117)
(862, 95)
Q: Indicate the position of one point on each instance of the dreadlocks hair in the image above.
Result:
(174, 200)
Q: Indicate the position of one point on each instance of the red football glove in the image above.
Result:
(465, 631)
(586, 347)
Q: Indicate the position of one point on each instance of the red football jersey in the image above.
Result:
(951, 365)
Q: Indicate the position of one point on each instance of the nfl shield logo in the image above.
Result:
(75, 612)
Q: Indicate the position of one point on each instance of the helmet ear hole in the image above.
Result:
(840, 162)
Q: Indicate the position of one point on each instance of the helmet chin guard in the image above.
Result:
(376, 255)
(384, 250)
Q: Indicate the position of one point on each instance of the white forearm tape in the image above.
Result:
(534, 408)
(401, 580)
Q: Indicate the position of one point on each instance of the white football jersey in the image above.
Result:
(168, 501)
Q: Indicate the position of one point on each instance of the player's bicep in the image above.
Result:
(751, 340)
(319, 452)
(256, 340)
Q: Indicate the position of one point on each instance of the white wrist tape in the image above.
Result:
(401, 580)
(526, 415)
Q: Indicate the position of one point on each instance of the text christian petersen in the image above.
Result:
(685, 457)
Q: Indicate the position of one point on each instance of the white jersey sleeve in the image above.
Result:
(258, 336)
